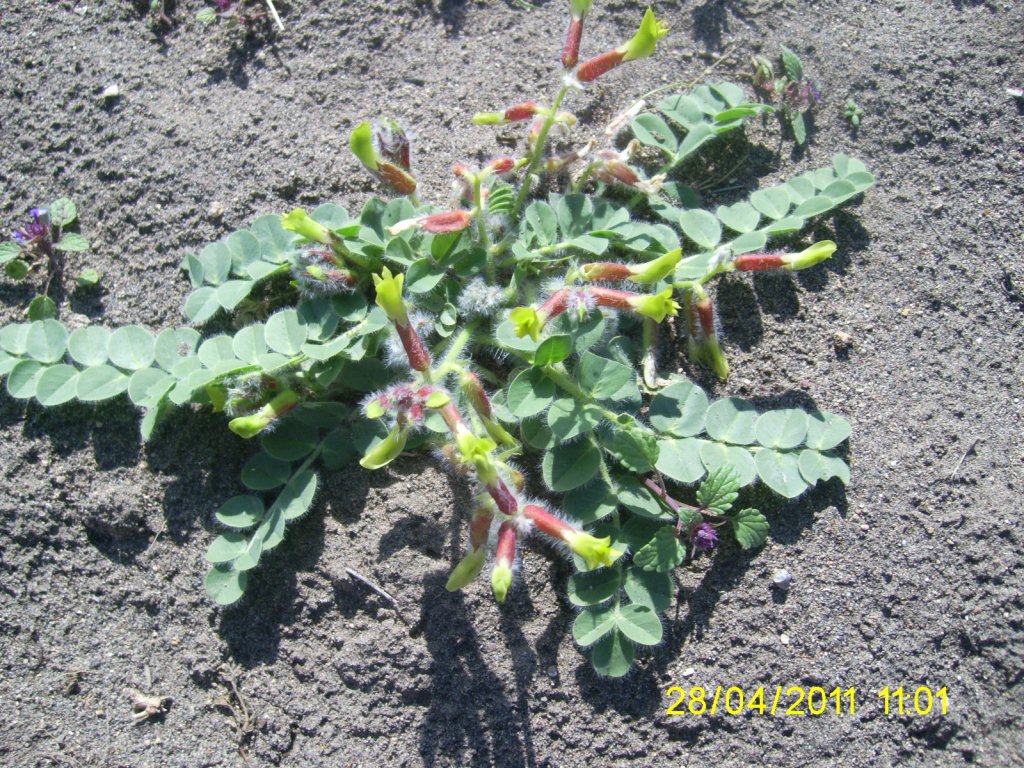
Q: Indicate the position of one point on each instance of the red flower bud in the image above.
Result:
(755, 262)
(606, 270)
(505, 552)
(415, 350)
(609, 297)
(571, 51)
(443, 223)
(593, 68)
(503, 497)
(522, 111)
(502, 165)
(401, 181)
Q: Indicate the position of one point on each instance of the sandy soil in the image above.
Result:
(912, 577)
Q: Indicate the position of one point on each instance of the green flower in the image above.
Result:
(361, 144)
(386, 451)
(476, 451)
(643, 42)
(597, 552)
(656, 269)
(299, 221)
(389, 295)
(810, 256)
(656, 306)
(467, 570)
(249, 426)
(501, 581)
(528, 321)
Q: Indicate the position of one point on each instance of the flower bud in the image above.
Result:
(647, 272)
(810, 256)
(596, 552)
(640, 46)
(361, 143)
(513, 114)
(702, 343)
(249, 426)
(389, 295)
(301, 223)
(504, 560)
(467, 570)
(435, 223)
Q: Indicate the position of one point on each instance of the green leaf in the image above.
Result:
(202, 304)
(589, 503)
(602, 378)
(785, 226)
(575, 213)
(56, 385)
(297, 497)
(338, 449)
(13, 338)
(679, 409)
(731, 420)
(815, 466)
(640, 624)
(62, 212)
(701, 227)
(749, 242)
(716, 455)
(655, 132)
(216, 261)
(679, 459)
(540, 217)
(100, 382)
(591, 625)
(46, 341)
(290, 440)
(635, 449)
(593, 587)
(649, 588)
(780, 472)
(226, 547)
(23, 379)
(225, 585)
(285, 332)
(799, 126)
(248, 344)
(422, 276)
(826, 430)
(741, 217)
(570, 465)
(263, 472)
(216, 350)
(131, 348)
(773, 202)
(241, 512)
(815, 206)
(783, 428)
(839, 191)
(639, 500)
(719, 490)
(792, 64)
(568, 417)
(231, 293)
(244, 248)
(72, 242)
(662, 553)
(148, 385)
(42, 308)
(16, 269)
(613, 655)
(750, 527)
(173, 345)
(530, 393)
(8, 251)
(554, 349)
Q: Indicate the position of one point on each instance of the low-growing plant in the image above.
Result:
(39, 247)
(511, 332)
(794, 95)
(243, 13)
(853, 113)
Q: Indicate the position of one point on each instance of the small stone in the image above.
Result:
(216, 209)
(782, 579)
(689, 672)
(552, 671)
(842, 341)
(784, 638)
(111, 92)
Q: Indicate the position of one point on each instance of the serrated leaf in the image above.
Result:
(701, 227)
(8, 251)
(679, 459)
(570, 465)
(100, 382)
(56, 385)
(530, 393)
(72, 242)
(719, 490)
(241, 512)
(731, 420)
(826, 431)
(649, 588)
(16, 269)
(131, 348)
(799, 126)
(792, 64)
(780, 471)
(46, 341)
(591, 625)
(679, 409)
(634, 449)
(62, 212)
(593, 587)
(224, 585)
(640, 624)
(552, 350)
(662, 553)
(750, 528)
(613, 655)
(782, 428)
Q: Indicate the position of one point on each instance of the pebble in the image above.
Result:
(552, 672)
(689, 672)
(112, 91)
(784, 638)
(782, 579)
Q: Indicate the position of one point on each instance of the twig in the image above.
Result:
(355, 575)
(273, 14)
(963, 458)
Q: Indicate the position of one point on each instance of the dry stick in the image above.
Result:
(374, 588)
(273, 13)
(960, 463)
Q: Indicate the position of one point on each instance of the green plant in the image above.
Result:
(853, 113)
(240, 13)
(40, 244)
(794, 95)
(490, 333)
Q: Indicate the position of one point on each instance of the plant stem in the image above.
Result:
(274, 16)
(537, 155)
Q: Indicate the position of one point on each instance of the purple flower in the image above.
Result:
(223, 5)
(35, 232)
(704, 536)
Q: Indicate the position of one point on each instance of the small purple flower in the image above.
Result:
(35, 232)
(223, 5)
(704, 536)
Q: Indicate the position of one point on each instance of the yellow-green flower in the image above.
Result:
(656, 306)
(643, 43)
(528, 321)
(596, 552)
(249, 426)
(810, 256)
(656, 269)
(299, 221)
(386, 451)
(389, 295)
(361, 144)
(467, 570)
(476, 451)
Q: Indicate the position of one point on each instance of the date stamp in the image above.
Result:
(803, 701)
